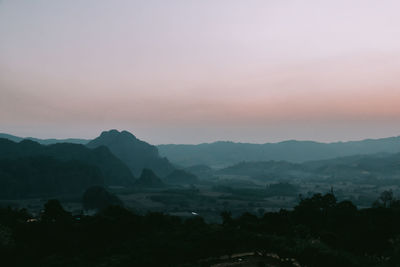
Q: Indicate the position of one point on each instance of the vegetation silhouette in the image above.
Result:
(320, 231)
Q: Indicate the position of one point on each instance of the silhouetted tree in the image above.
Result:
(385, 199)
(54, 212)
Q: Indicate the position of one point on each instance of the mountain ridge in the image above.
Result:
(375, 168)
(49, 141)
(224, 153)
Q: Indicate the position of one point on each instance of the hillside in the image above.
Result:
(136, 154)
(45, 177)
(115, 172)
(223, 154)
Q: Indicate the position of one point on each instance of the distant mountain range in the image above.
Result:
(223, 154)
(45, 141)
(120, 154)
(376, 168)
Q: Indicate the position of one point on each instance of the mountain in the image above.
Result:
(115, 172)
(136, 154)
(181, 177)
(44, 141)
(149, 179)
(42, 176)
(223, 154)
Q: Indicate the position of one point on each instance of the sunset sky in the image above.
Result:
(186, 71)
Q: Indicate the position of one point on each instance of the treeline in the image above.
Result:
(319, 232)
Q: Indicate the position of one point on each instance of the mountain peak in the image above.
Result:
(113, 133)
(135, 153)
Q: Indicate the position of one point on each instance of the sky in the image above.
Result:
(194, 71)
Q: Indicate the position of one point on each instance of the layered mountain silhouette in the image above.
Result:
(376, 168)
(148, 179)
(114, 171)
(44, 141)
(136, 154)
(223, 154)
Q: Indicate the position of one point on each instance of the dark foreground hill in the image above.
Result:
(136, 154)
(222, 154)
(42, 176)
(114, 171)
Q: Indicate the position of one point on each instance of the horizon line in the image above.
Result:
(206, 143)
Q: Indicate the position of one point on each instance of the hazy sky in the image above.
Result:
(185, 71)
